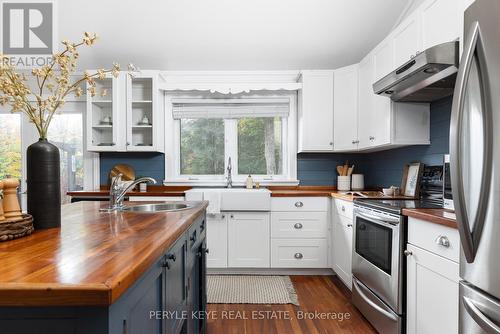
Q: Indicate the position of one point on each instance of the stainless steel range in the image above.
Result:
(378, 262)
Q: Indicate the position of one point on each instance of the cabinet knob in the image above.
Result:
(372, 138)
(349, 225)
(407, 252)
(128, 144)
(355, 141)
(171, 257)
(343, 208)
(193, 237)
(299, 204)
(298, 256)
(443, 241)
(223, 216)
(298, 226)
(331, 143)
(232, 216)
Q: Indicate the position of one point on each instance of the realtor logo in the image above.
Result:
(28, 32)
(27, 28)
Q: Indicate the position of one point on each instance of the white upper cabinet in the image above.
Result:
(345, 108)
(407, 40)
(105, 115)
(383, 58)
(365, 99)
(315, 112)
(440, 21)
(144, 121)
(127, 117)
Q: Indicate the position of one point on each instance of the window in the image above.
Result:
(66, 132)
(202, 146)
(253, 132)
(260, 146)
(10, 146)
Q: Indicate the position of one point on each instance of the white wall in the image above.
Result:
(229, 34)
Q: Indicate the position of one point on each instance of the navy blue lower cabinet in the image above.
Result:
(165, 300)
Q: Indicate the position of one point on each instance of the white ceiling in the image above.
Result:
(228, 34)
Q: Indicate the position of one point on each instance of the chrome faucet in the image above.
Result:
(229, 177)
(117, 191)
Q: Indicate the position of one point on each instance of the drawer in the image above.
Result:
(298, 253)
(299, 204)
(426, 235)
(299, 224)
(343, 208)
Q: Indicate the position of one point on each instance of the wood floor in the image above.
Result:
(323, 294)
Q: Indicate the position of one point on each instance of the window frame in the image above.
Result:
(29, 135)
(288, 147)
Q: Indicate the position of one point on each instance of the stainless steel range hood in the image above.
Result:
(427, 77)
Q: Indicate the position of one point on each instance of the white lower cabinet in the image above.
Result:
(217, 240)
(299, 232)
(298, 253)
(248, 240)
(432, 280)
(342, 241)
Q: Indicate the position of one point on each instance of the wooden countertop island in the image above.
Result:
(92, 259)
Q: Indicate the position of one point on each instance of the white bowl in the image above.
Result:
(388, 191)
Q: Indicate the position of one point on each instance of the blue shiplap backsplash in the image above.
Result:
(380, 168)
(383, 168)
(144, 163)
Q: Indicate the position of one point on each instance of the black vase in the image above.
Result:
(43, 183)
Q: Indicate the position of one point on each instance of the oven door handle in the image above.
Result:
(377, 218)
(379, 309)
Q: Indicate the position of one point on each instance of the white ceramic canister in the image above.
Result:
(358, 182)
(343, 183)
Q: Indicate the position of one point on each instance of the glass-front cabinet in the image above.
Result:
(123, 115)
(103, 120)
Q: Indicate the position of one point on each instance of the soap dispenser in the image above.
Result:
(249, 182)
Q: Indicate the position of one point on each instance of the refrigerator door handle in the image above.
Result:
(469, 238)
(479, 317)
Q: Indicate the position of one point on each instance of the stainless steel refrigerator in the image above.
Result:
(475, 168)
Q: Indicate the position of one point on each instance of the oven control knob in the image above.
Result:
(298, 256)
(298, 226)
(407, 252)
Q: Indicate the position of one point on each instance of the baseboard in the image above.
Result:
(270, 271)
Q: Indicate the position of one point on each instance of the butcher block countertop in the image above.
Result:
(437, 216)
(92, 259)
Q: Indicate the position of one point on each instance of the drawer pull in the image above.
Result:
(193, 237)
(298, 256)
(443, 241)
(299, 204)
(298, 226)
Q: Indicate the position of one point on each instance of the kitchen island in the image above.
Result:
(119, 272)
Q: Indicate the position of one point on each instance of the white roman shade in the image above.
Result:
(230, 108)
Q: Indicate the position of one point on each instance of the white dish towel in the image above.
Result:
(214, 199)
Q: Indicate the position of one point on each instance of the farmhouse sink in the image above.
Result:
(235, 199)
(158, 207)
